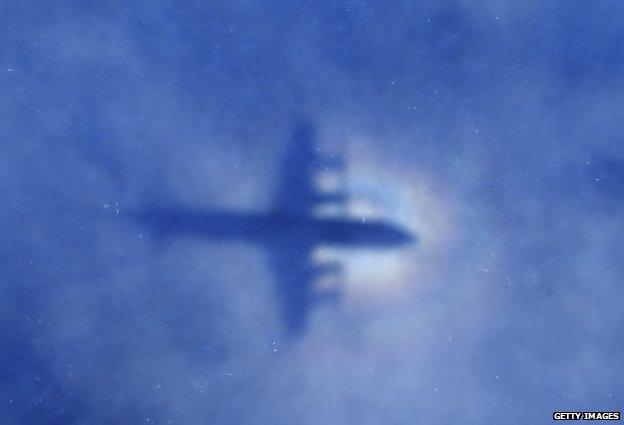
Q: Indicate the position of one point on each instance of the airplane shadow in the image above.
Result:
(289, 232)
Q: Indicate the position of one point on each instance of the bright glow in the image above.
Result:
(374, 277)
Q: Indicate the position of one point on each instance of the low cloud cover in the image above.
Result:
(490, 129)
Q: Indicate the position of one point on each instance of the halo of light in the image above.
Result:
(373, 278)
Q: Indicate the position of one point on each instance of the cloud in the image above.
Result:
(471, 123)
